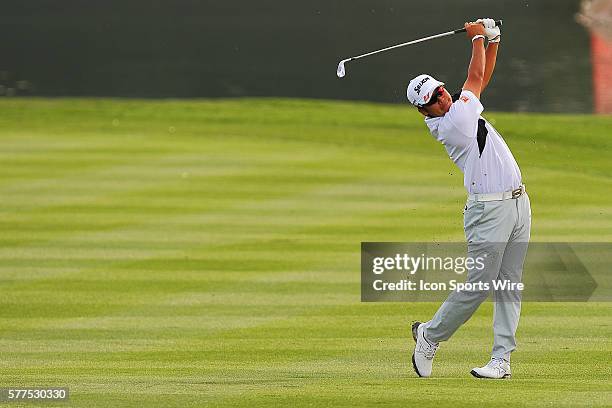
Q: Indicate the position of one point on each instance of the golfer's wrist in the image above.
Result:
(495, 40)
(478, 37)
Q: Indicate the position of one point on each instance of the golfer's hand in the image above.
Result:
(474, 29)
(492, 32)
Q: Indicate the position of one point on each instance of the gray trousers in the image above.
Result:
(499, 232)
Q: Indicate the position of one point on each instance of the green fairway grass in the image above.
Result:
(206, 253)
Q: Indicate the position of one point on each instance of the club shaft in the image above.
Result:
(431, 37)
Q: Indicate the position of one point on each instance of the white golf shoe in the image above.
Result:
(496, 368)
(424, 351)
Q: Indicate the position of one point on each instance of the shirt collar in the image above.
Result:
(433, 123)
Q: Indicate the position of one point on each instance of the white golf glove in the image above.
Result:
(492, 32)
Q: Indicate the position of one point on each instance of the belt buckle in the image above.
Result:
(517, 193)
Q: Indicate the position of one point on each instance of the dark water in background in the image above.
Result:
(189, 48)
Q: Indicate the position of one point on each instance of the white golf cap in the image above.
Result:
(421, 88)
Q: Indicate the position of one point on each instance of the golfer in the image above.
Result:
(497, 217)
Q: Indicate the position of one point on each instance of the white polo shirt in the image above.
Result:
(463, 132)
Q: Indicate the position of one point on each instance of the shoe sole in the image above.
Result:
(415, 327)
(475, 374)
(416, 370)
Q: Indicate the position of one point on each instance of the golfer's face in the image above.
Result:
(442, 104)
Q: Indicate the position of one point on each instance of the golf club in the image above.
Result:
(341, 72)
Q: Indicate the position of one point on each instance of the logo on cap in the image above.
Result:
(417, 88)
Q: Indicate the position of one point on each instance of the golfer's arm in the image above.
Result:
(476, 70)
(490, 57)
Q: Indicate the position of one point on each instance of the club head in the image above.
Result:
(341, 72)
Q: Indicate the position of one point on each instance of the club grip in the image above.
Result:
(498, 23)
